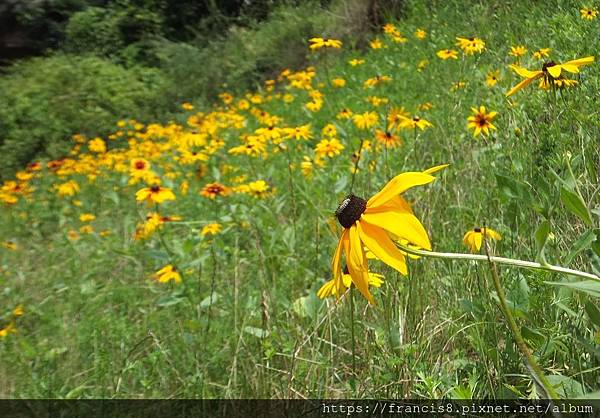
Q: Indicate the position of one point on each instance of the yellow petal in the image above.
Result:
(579, 62)
(435, 169)
(336, 265)
(357, 264)
(397, 185)
(521, 85)
(477, 239)
(377, 240)
(523, 72)
(554, 71)
(403, 224)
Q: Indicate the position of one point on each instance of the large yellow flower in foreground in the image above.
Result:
(551, 72)
(373, 223)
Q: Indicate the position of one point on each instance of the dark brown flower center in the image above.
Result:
(350, 210)
(548, 64)
(477, 230)
(140, 165)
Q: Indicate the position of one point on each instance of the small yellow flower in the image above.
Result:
(211, 229)
(329, 148)
(9, 329)
(97, 145)
(447, 53)
(365, 120)
(187, 106)
(542, 53)
(86, 217)
(338, 82)
(156, 194)
(318, 43)
(18, 311)
(166, 274)
(471, 45)
(491, 79)
(589, 13)
(355, 62)
(481, 121)
(517, 51)
(9, 245)
(420, 33)
(414, 122)
(376, 44)
(213, 190)
(474, 238)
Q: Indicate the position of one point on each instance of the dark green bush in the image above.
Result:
(45, 101)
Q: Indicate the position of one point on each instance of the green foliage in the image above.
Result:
(45, 101)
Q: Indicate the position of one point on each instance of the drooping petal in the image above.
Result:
(477, 239)
(522, 84)
(523, 72)
(435, 169)
(403, 224)
(397, 185)
(336, 262)
(377, 240)
(357, 264)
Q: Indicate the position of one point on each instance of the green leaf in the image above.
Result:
(513, 189)
(566, 387)
(575, 205)
(257, 332)
(593, 312)
(533, 337)
(582, 243)
(591, 287)
(209, 300)
(541, 237)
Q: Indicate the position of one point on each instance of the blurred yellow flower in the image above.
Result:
(166, 274)
(474, 238)
(87, 217)
(447, 53)
(211, 229)
(318, 43)
(156, 194)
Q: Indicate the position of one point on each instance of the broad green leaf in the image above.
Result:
(591, 287)
(582, 243)
(576, 205)
(514, 189)
(208, 301)
(534, 337)
(566, 386)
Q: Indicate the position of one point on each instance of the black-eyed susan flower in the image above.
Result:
(8, 329)
(154, 194)
(18, 311)
(87, 217)
(517, 51)
(542, 53)
(589, 13)
(365, 120)
(330, 289)
(420, 33)
(549, 73)
(69, 188)
(373, 223)
(474, 238)
(9, 245)
(338, 82)
(318, 43)
(447, 53)
(214, 190)
(387, 139)
(471, 45)
(356, 62)
(328, 148)
(491, 78)
(414, 123)
(481, 121)
(376, 44)
(166, 274)
(211, 229)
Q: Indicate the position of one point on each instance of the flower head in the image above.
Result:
(330, 289)
(517, 51)
(549, 73)
(154, 194)
(213, 190)
(471, 45)
(589, 13)
(166, 274)
(318, 43)
(211, 229)
(491, 78)
(481, 121)
(475, 237)
(374, 224)
(447, 53)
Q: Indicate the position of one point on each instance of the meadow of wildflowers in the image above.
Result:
(419, 218)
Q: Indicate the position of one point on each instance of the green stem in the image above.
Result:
(500, 260)
(353, 379)
(534, 367)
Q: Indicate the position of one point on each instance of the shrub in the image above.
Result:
(45, 101)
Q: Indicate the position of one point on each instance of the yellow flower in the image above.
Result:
(156, 194)
(166, 274)
(355, 62)
(447, 53)
(86, 217)
(9, 329)
(370, 223)
(470, 45)
(420, 33)
(365, 120)
(67, 189)
(376, 44)
(549, 73)
(491, 79)
(211, 229)
(329, 148)
(345, 113)
(18, 311)
(338, 82)
(422, 65)
(97, 145)
(517, 51)
(542, 53)
(213, 190)
(86, 229)
(372, 82)
(329, 130)
(481, 121)
(415, 122)
(317, 43)
(9, 245)
(475, 237)
(588, 13)
(187, 106)
(330, 289)
(388, 139)
(458, 85)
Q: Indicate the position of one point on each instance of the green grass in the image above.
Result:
(95, 325)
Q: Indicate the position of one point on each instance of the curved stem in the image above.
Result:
(500, 260)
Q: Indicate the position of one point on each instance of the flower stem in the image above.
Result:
(500, 260)
(535, 369)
